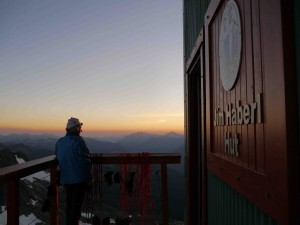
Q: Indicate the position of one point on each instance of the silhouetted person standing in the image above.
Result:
(75, 169)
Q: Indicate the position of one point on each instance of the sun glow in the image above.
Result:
(117, 69)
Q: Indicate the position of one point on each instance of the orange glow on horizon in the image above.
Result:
(147, 123)
(87, 132)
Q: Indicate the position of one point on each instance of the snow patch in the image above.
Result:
(33, 202)
(82, 223)
(39, 175)
(3, 215)
(84, 216)
(25, 220)
(19, 160)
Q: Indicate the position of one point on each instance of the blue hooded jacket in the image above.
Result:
(72, 155)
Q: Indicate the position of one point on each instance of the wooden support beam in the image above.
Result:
(165, 200)
(131, 158)
(13, 195)
(54, 198)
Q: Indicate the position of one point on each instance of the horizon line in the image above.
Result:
(87, 133)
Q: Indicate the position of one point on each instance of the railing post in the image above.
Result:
(54, 198)
(13, 195)
(165, 200)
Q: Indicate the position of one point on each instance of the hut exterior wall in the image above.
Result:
(194, 11)
(245, 188)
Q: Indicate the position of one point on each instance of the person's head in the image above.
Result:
(74, 125)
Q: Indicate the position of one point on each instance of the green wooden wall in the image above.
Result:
(193, 21)
(225, 206)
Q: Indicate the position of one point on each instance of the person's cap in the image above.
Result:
(73, 122)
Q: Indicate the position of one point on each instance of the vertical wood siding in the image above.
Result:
(194, 11)
(248, 84)
(266, 150)
(254, 187)
(227, 207)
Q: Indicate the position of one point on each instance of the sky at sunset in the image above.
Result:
(117, 65)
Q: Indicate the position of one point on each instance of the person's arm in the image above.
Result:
(84, 149)
(84, 154)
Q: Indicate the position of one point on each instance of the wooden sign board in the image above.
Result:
(251, 103)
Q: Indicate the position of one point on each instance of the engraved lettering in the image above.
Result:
(231, 144)
(228, 114)
(246, 114)
(239, 113)
(219, 118)
(226, 142)
(233, 118)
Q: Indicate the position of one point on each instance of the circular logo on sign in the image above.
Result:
(230, 44)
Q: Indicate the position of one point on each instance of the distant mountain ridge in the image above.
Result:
(37, 146)
(96, 146)
(47, 142)
(7, 158)
(135, 142)
(140, 142)
(44, 141)
(29, 152)
(24, 137)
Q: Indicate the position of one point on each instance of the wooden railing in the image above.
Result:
(12, 174)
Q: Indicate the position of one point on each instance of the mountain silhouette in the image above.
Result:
(144, 142)
(95, 146)
(30, 153)
(135, 139)
(7, 158)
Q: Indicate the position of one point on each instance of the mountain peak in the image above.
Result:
(173, 134)
(140, 133)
